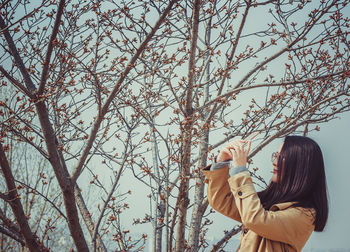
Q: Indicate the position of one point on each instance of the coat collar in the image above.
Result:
(281, 206)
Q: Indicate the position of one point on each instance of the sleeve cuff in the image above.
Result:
(217, 166)
(234, 170)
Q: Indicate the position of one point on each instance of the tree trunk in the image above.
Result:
(159, 229)
(199, 208)
(62, 178)
(87, 219)
(187, 138)
(14, 200)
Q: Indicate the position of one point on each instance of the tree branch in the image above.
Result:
(46, 63)
(47, 199)
(12, 235)
(294, 82)
(229, 61)
(28, 81)
(9, 224)
(116, 88)
(227, 237)
(16, 83)
(16, 205)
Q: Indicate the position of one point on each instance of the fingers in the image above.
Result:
(226, 151)
(238, 144)
(237, 149)
(248, 147)
(224, 154)
(252, 135)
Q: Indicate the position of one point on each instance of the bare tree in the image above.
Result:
(37, 189)
(107, 89)
(229, 78)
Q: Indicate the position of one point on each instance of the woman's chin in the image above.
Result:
(274, 178)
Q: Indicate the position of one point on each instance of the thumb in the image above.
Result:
(248, 147)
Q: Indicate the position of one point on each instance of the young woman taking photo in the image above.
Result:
(283, 216)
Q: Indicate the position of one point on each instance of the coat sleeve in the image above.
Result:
(219, 194)
(292, 225)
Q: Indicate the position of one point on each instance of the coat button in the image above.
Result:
(240, 193)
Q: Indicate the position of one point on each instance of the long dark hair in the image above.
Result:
(301, 178)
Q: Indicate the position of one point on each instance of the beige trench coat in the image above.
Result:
(282, 228)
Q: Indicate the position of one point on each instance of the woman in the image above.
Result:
(283, 216)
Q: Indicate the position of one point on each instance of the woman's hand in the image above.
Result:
(236, 151)
(224, 154)
(240, 152)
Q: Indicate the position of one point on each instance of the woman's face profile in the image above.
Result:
(274, 165)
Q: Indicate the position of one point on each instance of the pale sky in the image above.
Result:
(333, 139)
